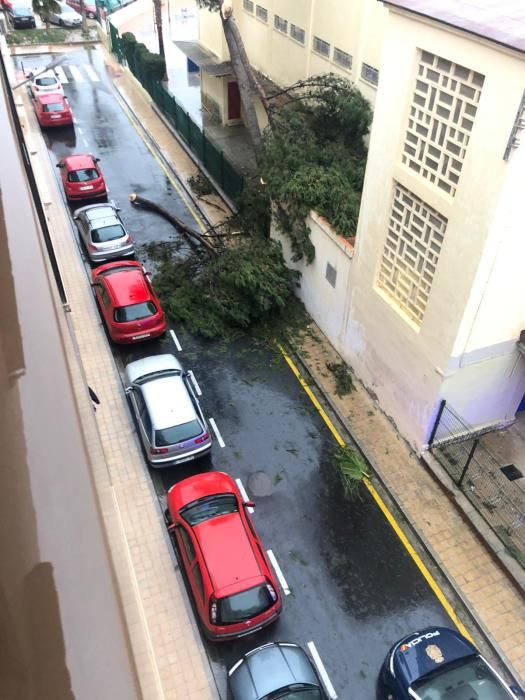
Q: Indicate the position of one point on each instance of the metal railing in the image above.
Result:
(477, 472)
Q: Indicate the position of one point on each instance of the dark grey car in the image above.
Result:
(103, 232)
(276, 670)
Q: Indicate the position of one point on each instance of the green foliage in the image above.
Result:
(137, 54)
(352, 470)
(253, 215)
(247, 284)
(315, 156)
(344, 383)
(212, 5)
(154, 65)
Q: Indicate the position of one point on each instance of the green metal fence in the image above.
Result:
(212, 158)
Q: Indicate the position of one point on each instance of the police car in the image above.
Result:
(440, 664)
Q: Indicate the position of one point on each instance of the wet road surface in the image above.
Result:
(354, 589)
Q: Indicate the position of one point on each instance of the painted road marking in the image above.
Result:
(77, 75)
(176, 341)
(217, 433)
(244, 495)
(321, 670)
(278, 572)
(85, 142)
(61, 74)
(91, 74)
(384, 508)
(195, 384)
(79, 130)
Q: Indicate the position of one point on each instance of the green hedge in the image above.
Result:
(138, 54)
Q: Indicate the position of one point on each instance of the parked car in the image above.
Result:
(440, 663)
(89, 8)
(275, 670)
(21, 16)
(171, 424)
(52, 110)
(103, 233)
(45, 83)
(81, 177)
(232, 584)
(127, 301)
(65, 16)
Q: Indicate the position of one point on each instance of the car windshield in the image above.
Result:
(466, 678)
(209, 507)
(107, 233)
(177, 433)
(44, 82)
(84, 175)
(54, 107)
(296, 692)
(134, 312)
(22, 12)
(244, 605)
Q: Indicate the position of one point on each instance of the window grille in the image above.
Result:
(261, 13)
(370, 74)
(342, 58)
(248, 5)
(297, 33)
(280, 24)
(322, 47)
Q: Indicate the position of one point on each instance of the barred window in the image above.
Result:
(248, 5)
(411, 253)
(261, 13)
(297, 33)
(280, 24)
(320, 46)
(370, 74)
(441, 118)
(342, 58)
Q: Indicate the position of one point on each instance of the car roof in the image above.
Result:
(229, 553)
(168, 401)
(128, 286)
(104, 221)
(79, 161)
(194, 487)
(148, 365)
(100, 211)
(46, 74)
(50, 98)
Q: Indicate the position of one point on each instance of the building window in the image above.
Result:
(370, 74)
(248, 5)
(441, 117)
(410, 256)
(331, 274)
(342, 58)
(297, 33)
(261, 13)
(280, 24)
(322, 47)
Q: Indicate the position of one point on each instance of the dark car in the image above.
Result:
(440, 664)
(276, 670)
(21, 16)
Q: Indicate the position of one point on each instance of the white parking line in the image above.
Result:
(91, 74)
(77, 75)
(244, 495)
(321, 670)
(197, 387)
(217, 433)
(85, 143)
(79, 130)
(176, 341)
(61, 74)
(278, 572)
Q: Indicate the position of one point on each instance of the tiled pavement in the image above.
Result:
(166, 647)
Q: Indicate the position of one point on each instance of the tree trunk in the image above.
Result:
(84, 18)
(158, 22)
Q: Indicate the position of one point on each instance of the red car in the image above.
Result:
(52, 110)
(128, 302)
(233, 587)
(81, 177)
(89, 9)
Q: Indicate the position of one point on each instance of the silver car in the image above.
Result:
(65, 16)
(171, 424)
(275, 670)
(103, 233)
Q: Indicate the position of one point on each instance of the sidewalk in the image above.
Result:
(495, 601)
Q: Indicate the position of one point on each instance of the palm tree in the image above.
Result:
(43, 8)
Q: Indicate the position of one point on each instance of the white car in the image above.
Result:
(45, 83)
(65, 16)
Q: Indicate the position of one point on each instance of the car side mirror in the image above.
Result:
(248, 504)
(97, 160)
(58, 165)
(172, 527)
(518, 692)
(128, 389)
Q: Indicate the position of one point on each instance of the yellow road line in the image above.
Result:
(383, 507)
(165, 170)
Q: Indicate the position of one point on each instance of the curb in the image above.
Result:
(27, 49)
(424, 545)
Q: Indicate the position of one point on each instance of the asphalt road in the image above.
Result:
(354, 588)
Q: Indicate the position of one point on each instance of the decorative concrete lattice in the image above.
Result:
(441, 119)
(412, 248)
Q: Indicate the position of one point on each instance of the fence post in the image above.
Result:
(189, 130)
(469, 459)
(436, 422)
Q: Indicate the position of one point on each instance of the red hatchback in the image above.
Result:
(52, 110)
(81, 177)
(128, 302)
(233, 587)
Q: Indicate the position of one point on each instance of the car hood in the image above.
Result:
(423, 652)
(147, 365)
(271, 668)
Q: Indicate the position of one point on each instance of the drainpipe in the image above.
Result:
(310, 38)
